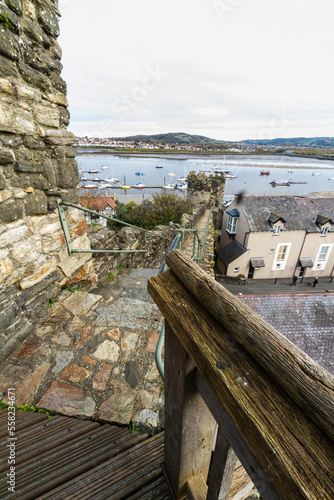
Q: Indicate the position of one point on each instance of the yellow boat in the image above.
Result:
(124, 186)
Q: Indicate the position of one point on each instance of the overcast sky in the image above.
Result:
(226, 69)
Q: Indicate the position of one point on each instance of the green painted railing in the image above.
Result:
(70, 248)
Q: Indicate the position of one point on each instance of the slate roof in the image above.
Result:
(231, 252)
(299, 213)
(233, 213)
(306, 262)
(321, 220)
(306, 320)
(275, 218)
(257, 262)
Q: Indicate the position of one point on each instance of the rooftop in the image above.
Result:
(299, 213)
(305, 319)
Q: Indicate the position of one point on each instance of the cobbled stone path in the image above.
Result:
(92, 356)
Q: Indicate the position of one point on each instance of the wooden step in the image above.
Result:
(66, 458)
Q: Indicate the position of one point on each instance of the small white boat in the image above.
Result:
(316, 173)
(182, 187)
(104, 167)
(111, 180)
(181, 179)
(90, 186)
(230, 176)
(105, 186)
(139, 185)
(93, 171)
(331, 179)
(83, 179)
(171, 174)
(169, 186)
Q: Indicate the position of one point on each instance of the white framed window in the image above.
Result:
(281, 256)
(322, 257)
(232, 224)
(277, 230)
(324, 231)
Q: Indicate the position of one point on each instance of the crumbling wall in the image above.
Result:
(157, 243)
(37, 166)
(206, 189)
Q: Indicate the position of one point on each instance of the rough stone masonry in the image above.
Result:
(37, 166)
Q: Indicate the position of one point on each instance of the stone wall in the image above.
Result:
(206, 189)
(37, 165)
(157, 244)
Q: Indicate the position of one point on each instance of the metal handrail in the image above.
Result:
(70, 248)
(177, 242)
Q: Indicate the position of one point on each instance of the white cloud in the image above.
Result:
(228, 77)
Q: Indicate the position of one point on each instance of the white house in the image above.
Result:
(266, 237)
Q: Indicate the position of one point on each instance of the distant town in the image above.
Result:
(178, 143)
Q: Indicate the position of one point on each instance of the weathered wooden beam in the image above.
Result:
(190, 429)
(308, 383)
(247, 455)
(241, 486)
(196, 488)
(285, 453)
(222, 469)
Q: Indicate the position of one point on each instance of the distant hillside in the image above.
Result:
(302, 142)
(172, 138)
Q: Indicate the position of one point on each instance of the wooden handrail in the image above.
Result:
(308, 383)
(284, 451)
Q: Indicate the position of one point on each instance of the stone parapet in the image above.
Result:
(206, 189)
(37, 166)
(35, 147)
(34, 264)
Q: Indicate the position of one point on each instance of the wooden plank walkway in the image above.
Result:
(68, 458)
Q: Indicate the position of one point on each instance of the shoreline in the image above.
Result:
(204, 156)
(105, 151)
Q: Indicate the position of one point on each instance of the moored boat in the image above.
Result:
(265, 172)
(125, 185)
(282, 182)
(139, 185)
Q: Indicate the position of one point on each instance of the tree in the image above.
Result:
(163, 209)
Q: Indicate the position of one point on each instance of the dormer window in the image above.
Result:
(324, 224)
(232, 221)
(276, 222)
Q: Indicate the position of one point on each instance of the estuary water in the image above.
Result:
(313, 174)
